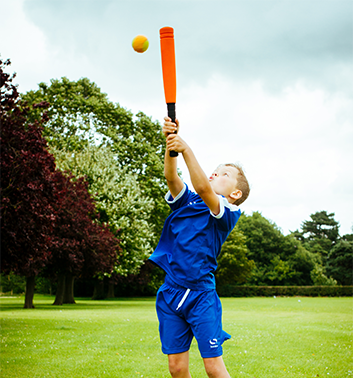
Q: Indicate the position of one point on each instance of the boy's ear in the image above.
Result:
(236, 195)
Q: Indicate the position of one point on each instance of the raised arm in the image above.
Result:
(198, 177)
(175, 184)
(200, 182)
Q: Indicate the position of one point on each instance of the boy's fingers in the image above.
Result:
(173, 141)
(169, 121)
(171, 137)
(170, 128)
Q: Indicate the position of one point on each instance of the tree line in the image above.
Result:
(82, 197)
(112, 165)
(314, 255)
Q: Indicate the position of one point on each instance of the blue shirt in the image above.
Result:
(192, 238)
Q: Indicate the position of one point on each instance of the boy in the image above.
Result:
(187, 303)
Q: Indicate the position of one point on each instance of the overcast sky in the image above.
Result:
(268, 84)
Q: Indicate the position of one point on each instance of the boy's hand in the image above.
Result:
(169, 127)
(175, 143)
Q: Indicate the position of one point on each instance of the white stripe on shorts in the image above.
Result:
(183, 299)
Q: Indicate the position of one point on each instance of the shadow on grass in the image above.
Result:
(46, 303)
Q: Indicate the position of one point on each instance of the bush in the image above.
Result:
(288, 291)
(12, 284)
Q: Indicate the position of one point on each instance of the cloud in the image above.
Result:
(295, 147)
(22, 42)
(276, 42)
(267, 83)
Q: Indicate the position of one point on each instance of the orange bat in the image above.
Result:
(169, 72)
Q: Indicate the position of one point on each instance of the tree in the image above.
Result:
(81, 115)
(81, 245)
(276, 256)
(38, 202)
(340, 262)
(303, 262)
(320, 233)
(118, 199)
(322, 226)
(27, 195)
(263, 238)
(233, 264)
(279, 272)
(11, 283)
(347, 237)
(319, 277)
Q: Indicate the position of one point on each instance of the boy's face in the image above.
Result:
(224, 181)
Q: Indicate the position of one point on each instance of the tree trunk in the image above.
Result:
(30, 284)
(98, 292)
(59, 298)
(111, 286)
(69, 289)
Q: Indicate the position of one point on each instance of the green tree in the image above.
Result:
(279, 272)
(320, 233)
(347, 237)
(319, 277)
(303, 262)
(119, 200)
(233, 264)
(78, 110)
(279, 259)
(47, 218)
(262, 238)
(340, 262)
(80, 115)
(12, 283)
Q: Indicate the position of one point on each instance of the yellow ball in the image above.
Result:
(140, 43)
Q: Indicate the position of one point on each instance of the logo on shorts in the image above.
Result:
(213, 343)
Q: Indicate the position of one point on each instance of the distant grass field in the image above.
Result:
(271, 337)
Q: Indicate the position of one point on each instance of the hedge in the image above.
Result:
(287, 291)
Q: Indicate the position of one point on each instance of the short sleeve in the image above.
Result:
(182, 199)
(228, 214)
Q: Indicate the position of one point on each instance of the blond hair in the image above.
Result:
(242, 183)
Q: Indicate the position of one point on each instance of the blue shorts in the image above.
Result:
(183, 314)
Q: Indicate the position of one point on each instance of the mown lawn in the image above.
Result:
(272, 337)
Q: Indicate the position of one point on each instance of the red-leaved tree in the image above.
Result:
(47, 218)
(27, 195)
(81, 246)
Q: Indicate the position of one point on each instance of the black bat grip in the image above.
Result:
(172, 116)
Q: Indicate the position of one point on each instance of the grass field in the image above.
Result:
(271, 337)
